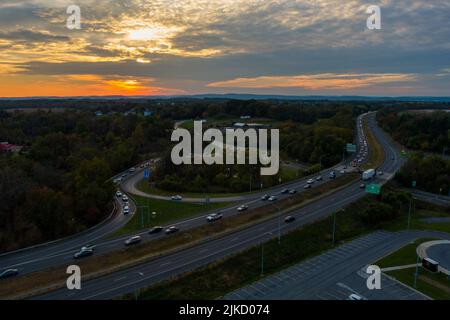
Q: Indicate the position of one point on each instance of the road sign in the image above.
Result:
(351, 148)
(147, 173)
(373, 188)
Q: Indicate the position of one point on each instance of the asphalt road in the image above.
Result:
(441, 254)
(61, 252)
(128, 280)
(439, 200)
(339, 272)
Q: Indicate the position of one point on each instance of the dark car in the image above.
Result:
(293, 191)
(155, 230)
(9, 273)
(284, 191)
(83, 253)
(171, 229)
(289, 219)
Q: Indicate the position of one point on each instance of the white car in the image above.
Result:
(118, 194)
(214, 217)
(125, 198)
(126, 210)
(354, 296)
(243, 208)
(132, 169)
(319, 178)
(176, 198)
(133, 240)
(342, 171)
(310, 181)
(272, 198)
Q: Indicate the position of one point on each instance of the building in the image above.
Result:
(7, 147)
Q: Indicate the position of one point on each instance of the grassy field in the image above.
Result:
(166, 212)
(287, 174)
(418, 224)
(376, 153)
(404, 256)
(436, 286)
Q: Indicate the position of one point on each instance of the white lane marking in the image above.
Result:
(118, 279)
(164, 264)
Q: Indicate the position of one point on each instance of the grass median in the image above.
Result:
(376, 152)
(50, 279)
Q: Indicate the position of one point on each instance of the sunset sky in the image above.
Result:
(177, 47)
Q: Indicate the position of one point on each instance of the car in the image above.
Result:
(332, 175)
(155, 230)
(8, 273)
(214, 217)
(88, 247)
(118, 194)
(289, 219)
(118, 180)
(125, 198)
(124, 175)
(126, 210)
(133, 240)
(342, 171)
(83, 253)
(265, 197)
(380, 173)
(171, 229)
(344, 167)
(242, 208)
(355, 297)
(176, 198)
(307, 186)
(272, 198)
(132, 170)
(284, 191)
(310, 181)
(292, 191)
(362, 186)
(319, 178)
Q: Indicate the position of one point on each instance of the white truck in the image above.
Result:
(368, 174)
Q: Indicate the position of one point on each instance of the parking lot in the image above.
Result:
(333, 275)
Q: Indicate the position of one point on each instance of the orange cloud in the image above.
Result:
(79, 85)
(314, 82)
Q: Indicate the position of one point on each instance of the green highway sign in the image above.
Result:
(373, 188)
(351, 148)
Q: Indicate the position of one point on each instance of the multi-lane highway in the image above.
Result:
(130, 279)
(61, 252)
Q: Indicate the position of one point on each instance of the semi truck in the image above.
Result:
(368, 174)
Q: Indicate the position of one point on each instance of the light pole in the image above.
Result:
(409, 212)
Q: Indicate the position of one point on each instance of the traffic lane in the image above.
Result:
(207, 252)
(41, 260)
(30, 256)
(60, 258)
(129, 184)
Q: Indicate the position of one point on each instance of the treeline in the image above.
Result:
(58, 184)
(431, 174)
(323, 141)
(427, 131)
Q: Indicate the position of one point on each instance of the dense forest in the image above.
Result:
(322, 140)
(418, 130)
(59, 183)
(431, 174)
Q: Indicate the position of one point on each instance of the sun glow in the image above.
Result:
(149, 34)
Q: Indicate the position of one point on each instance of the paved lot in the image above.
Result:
(335, 274)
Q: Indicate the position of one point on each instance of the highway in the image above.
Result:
(139, 276)
(60, 253)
